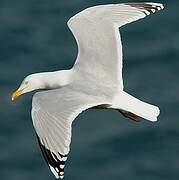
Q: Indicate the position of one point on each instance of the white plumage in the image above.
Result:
(94, 80)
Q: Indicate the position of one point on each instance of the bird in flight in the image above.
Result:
(95, 80)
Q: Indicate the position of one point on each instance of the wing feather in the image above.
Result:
(53, 113)
(99, 43)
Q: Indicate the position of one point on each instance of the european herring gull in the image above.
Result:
(94, 81)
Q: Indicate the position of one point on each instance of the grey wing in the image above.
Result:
(53, 113)
(99, 42)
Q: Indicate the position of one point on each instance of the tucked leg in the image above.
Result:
(130, 115)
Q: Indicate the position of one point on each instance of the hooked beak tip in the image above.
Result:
(12, 98)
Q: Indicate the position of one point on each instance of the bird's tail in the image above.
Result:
(127, 103)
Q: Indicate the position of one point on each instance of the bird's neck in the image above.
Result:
(57, 79)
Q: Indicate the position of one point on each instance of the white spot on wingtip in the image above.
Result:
(62, 166)
(61, 173)
(158, 8)
(61, 177)
(153, 10)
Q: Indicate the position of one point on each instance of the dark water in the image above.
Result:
(34, 37)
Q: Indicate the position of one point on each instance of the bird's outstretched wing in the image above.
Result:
(99, 42)
(53, 113)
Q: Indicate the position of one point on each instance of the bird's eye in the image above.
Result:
(26, 82)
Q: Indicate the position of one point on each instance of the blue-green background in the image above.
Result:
(34, 37)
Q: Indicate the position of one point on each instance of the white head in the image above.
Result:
(30, 83)
(44, 80)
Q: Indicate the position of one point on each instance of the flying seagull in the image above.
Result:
(94, 81)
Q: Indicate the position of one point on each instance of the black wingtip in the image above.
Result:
(147, 8)
(55, 162)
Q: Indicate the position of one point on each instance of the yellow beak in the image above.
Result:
(16, 94)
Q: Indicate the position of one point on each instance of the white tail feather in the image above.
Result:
(126, 102)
